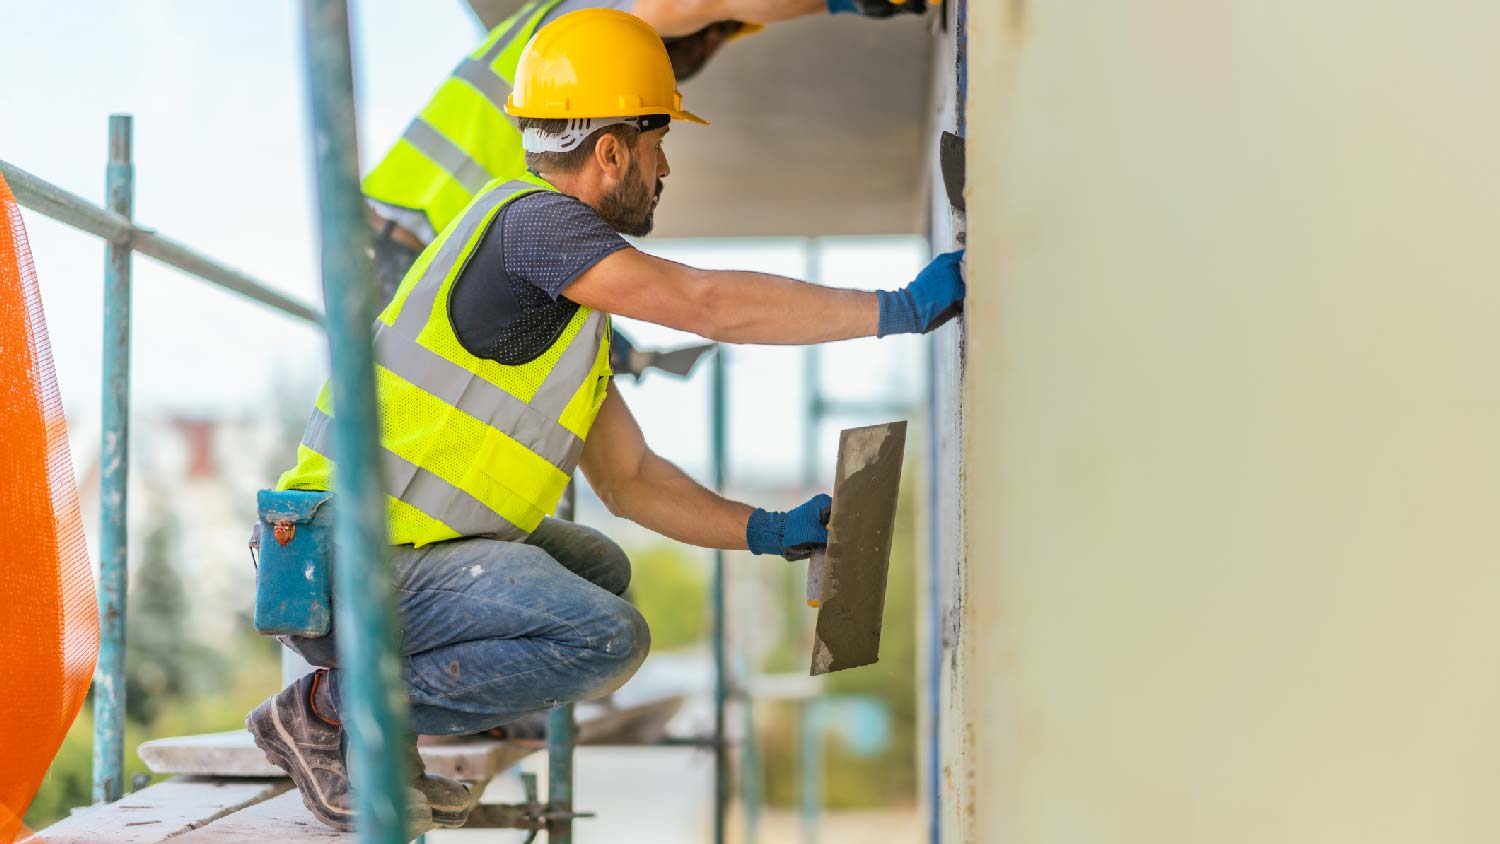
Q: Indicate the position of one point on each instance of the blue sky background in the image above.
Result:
(222, 164)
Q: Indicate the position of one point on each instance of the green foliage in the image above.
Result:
(163, 664)
(851, 781)
(69, 782)
(670, 587)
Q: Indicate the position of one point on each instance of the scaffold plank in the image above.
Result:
(160, 811)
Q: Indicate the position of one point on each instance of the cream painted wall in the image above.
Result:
(1233, 423)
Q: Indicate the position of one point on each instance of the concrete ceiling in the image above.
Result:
(819, 128)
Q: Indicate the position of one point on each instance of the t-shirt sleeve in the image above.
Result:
(551, 239)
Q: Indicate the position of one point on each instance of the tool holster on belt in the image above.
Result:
(292, 545)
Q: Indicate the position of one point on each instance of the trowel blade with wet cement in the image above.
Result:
(860, 531)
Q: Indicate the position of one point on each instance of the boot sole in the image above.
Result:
(452, 818)
(277, 745)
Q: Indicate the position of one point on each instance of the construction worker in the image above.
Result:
(493, 383)
(462, 138)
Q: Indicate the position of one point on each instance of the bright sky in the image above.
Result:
(222, 165)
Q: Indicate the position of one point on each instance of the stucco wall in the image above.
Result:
(1231, 424)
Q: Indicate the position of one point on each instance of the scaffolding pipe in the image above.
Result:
(719, 410)
(561, 736)
(562, 731)
(114, 466)
(119, 230)
(373, 694)
(809, 724)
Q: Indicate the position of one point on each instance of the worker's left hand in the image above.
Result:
(794, 534)
(933, 298)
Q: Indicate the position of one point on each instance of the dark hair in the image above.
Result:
(573, 160)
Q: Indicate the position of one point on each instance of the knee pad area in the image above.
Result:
(623, 645)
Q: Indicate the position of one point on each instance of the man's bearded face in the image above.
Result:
(631, 207)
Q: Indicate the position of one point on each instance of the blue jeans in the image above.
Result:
(491, 630)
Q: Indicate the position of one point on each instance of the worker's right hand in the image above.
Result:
(794, 534)
(933, 298)
(877, 8)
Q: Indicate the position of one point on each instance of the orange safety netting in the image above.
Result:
(49, 622)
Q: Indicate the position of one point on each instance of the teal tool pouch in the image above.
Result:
(294, 563)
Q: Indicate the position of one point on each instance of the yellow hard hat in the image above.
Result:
(596, 63)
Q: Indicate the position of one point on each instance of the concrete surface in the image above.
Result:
(1231, 464)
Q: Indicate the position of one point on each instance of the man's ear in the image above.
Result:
(612, 156)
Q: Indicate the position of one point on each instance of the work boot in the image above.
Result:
(310, 749)
(450, 799)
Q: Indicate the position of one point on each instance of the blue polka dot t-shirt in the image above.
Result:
(507, 304)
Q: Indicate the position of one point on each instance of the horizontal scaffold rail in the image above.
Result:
(73, 210)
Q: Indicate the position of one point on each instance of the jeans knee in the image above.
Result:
(616, 569)
(612, 573)
(623, 645)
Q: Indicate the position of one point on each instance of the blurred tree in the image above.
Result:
(69, 783)
(163, 664)
(669, 586)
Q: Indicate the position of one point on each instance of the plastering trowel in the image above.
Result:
(847, 583)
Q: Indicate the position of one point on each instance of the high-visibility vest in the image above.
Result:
(470, 446)
(462, 139)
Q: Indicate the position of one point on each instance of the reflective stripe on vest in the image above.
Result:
(462, 139)
(467, 515)
(540, 437)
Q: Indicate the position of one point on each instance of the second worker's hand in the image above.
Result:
(878, 8)
(935, 296)
(794, 534)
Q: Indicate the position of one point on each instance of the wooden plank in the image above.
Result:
(641, 724)
(229, 754)
(283, 820)
(860, 529)
(159, 811)
(234, 754)
(474, 760)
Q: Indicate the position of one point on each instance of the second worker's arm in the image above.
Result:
(684, 17)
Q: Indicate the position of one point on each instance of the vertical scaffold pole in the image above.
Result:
(720, 423)
(561, 736)
(809, 722)
(114, 466)
(374, 706)
(721, 667)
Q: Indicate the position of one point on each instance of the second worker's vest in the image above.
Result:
(462, 139)
(470, 447)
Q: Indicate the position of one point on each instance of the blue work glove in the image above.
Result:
(933, 298)
(877, 8)
(795, 534)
